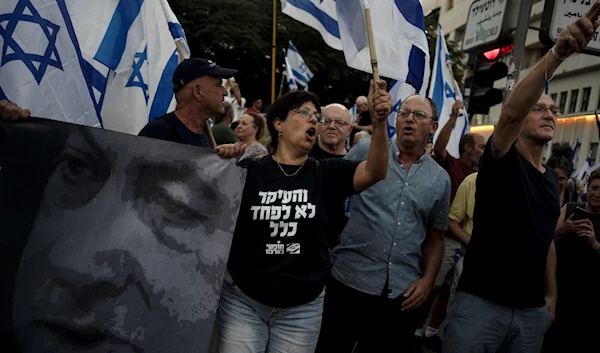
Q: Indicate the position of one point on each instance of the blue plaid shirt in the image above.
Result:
(388, 224)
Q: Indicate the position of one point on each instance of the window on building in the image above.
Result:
(594, 150)
(554, 96)
(563, 101)
(450, 4)
(573, 102)
(585, 100)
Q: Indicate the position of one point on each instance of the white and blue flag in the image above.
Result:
(576, 148)
(400, 40)
(292, 86)
(583, 173)
(298, 67)
(176, 29)
(441, 91)
(97, 63)
(318, 14)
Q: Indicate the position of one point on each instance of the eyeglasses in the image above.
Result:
(417, 114)
(307, 113)
(336, 123)
(540, 109)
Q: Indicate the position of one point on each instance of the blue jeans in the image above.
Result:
(476, 325)
(247, 326)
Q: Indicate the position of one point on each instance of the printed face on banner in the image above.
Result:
(129, 246)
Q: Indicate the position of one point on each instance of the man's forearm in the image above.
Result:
(528, 91)
(377, 162)
(456, 231)
(444, 136)
(432, 254)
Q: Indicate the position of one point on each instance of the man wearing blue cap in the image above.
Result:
(199, 95)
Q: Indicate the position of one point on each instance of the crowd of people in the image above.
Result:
(476, 246)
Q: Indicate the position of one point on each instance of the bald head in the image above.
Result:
(336, 127)
(338, 110)
(361, 104)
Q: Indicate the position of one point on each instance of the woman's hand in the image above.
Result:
(571, 226)
(587, 231)
(380, 101)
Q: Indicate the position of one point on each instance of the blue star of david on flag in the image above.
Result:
(303, 67)
(136, 79)
(11, 50)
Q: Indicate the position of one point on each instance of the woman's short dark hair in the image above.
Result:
(561, 158)
(283, 105)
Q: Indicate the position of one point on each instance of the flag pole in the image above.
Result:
(371, 38)
(281, 85)
(207, 129)
(273, 47)
(456, 90)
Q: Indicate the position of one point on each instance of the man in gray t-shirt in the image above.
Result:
(391, 249)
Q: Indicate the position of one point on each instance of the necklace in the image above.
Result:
(286, 174)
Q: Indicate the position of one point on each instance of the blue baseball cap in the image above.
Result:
(193, 68)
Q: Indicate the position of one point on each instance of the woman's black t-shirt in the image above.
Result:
(279, 255)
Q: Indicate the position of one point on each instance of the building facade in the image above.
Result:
(575, 87)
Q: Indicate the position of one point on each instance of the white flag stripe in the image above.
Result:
(402, 50)
(319, 15)
(297, 66)
(111, 71)
(441, 91)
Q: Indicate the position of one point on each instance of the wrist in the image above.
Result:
(558, 56)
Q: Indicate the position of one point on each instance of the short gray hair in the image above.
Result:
(361, 99)
(363, 133)
(228, 110)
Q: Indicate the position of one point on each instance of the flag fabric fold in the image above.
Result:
(400, 40)
(441, 91)
(97, 63)
(295, 63)
(292, 86)
(320, 15)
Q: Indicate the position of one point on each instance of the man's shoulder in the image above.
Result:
(157, 124)
(470, 179)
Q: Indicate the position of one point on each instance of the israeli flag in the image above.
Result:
(296, 64)
(176, 29)
(584, 172)
(320, 15)
(289, 74)
(576, 148)
(441, 91)
(400, 40)
(113, 71)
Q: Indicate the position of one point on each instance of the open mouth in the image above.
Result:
(311, 132)
(408, 130)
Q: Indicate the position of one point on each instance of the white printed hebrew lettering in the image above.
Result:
(293, 229)
(264, 197)
(284, 226)
(287, 210)
(275, 213)
(287, 197)
(313, 210)
(272, 197)
(255, 209)
(300, 211)
(275, 227)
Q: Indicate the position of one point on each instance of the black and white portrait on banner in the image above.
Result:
(111, 242)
